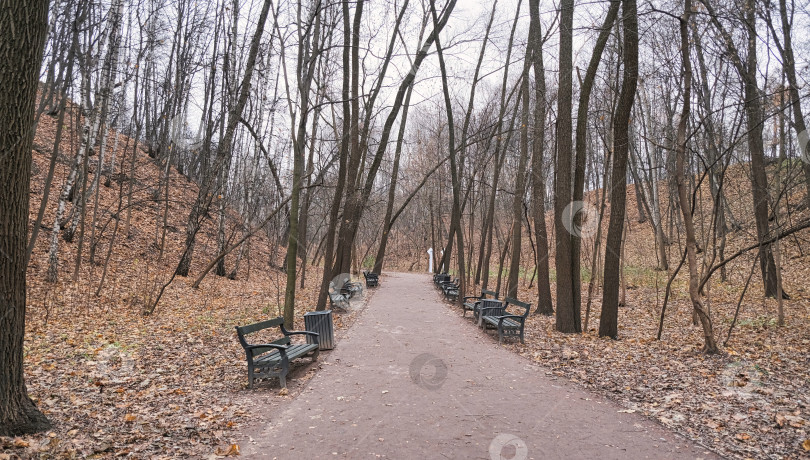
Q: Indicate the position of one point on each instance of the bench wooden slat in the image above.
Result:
(274, 356)
(251, 328)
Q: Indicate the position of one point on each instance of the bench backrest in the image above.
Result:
(491, 303)
(243, 331)
(518, 303)
(486, 292)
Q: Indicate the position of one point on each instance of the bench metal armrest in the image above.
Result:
(271, 345)
(472, 297)
(287, 333)
(315, 335)
(301, 333)
(282, 349)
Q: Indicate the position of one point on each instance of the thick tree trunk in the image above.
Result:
(544, 301)
(608, 321)
(579, 160)
(22, 37)
(568, 313)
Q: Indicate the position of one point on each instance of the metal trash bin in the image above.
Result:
(320, 322)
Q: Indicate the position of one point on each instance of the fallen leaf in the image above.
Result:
(20, 443)
(233, 451)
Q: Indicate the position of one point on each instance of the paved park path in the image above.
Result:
(412, 379)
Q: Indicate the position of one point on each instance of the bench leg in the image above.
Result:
(282, 376)
(500, 335)
(250, 375)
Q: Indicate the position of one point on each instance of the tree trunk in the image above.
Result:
(329, 251)
(308, 52)
(520, 184)
(752, 103)
(608, 321)
(355, 205)
(544, 301)
(789, 66)
(579, 161)
(568, 313)
(206, 191)
(389, 209)
(60, 123)
(709, 344)
(23, 26)
(456, 167)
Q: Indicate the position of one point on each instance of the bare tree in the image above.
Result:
(544, 301)
(608, 321)
(709, 344)
(568, 317)
(746, 66)
(207, 190)
(785, 48)
(23, 27)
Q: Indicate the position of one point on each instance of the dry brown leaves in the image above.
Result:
(115, 383)
(751, 401)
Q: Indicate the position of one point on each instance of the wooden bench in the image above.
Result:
(273, 359)
(469, 302)
(351, 289)
(507, 324)
(372, 279)
(338, 299)
(450, 288)
(440, 278)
